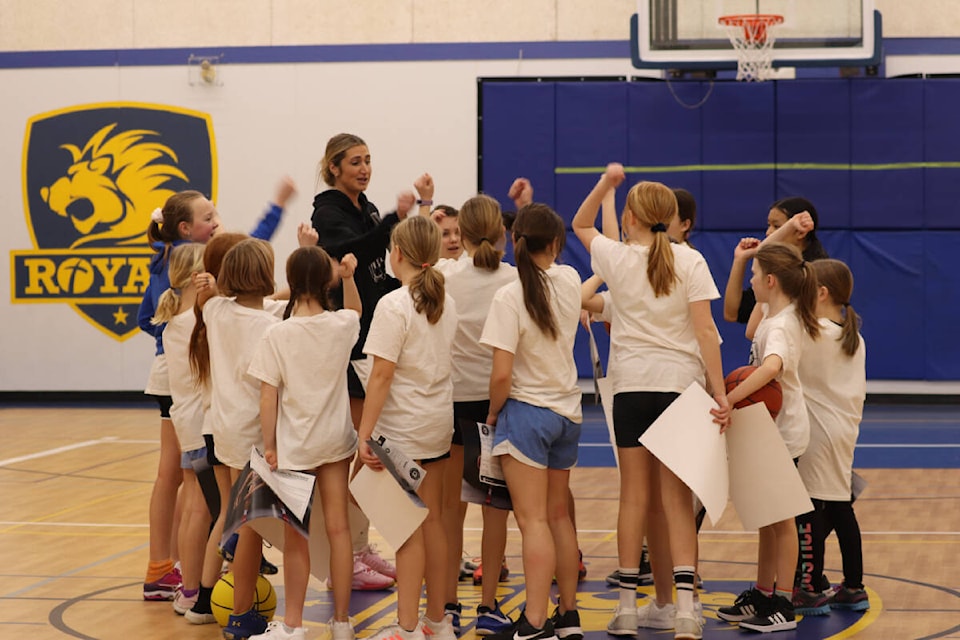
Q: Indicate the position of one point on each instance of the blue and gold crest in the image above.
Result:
(92, 175)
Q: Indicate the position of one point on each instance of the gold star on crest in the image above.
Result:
(120, 316)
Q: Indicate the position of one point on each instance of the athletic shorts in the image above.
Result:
(165, 403)
(211, 451)
(187, 457)
(536, 436)
(635, 411)
(358, 374)
(466, 415)
(442, 456)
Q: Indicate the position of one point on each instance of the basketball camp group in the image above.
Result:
(413, 329)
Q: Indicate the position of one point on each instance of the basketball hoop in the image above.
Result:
(752, 36)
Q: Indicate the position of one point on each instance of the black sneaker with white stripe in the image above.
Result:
(747, 605)
(567, 624)
(778, 617)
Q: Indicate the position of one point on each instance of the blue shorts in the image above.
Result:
(187, 457)
(536, 436)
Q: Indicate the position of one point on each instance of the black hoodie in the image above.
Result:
(343, 229)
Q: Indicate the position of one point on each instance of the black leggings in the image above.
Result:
(814, 528)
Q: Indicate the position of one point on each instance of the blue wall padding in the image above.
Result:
(738, 126)
(887, 127)
(889, 294)
(520, 139)
(898, 228)
(941, 141)
(813, 126)
(941, 306)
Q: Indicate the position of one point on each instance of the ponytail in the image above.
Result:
(419, 241)
(654, 205)
(535, 229)
(797, 279)
(199, 348)
(835, 277)
(309, 275)
(167, 307)
(481, 224)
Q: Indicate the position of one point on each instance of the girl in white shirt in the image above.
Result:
(472, 281)
(231, 326)
(833, 373)
(307, 427)
(662, 339)
(410, 403)
(175, 308)
(787, 285)
(535, 405)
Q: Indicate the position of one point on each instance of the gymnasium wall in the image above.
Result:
(879, 158)
(289, 73)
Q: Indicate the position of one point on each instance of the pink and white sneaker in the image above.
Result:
(366, 579)
(369, 556)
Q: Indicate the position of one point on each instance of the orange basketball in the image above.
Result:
(769, 394)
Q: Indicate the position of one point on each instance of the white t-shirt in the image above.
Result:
(653, 345)
(544, 373)
(306, 358)
(187, 392)
(418, 413)
(233, 332)
(473, 291)
(782, 335)
(834, 387)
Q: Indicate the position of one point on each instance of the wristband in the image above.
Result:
(425, 203)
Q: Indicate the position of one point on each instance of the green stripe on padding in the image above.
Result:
(767, 166)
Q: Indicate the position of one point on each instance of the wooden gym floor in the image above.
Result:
(75, 484)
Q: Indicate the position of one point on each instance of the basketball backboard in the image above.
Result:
(686, 34)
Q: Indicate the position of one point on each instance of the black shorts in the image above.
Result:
(466, 415)
(165, 403)
(211, 451)
(635, 411)
(442, 456)
(354, 386)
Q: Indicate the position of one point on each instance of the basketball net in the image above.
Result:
(752, 36)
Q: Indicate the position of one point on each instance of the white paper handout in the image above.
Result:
(687, 440)
(388, 505)
(490, 470)
(295, 488)
(765, 486)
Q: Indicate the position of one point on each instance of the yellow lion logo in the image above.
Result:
(113, 182)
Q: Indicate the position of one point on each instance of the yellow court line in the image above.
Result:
(75, 508)
(372, 610)
(869, 617)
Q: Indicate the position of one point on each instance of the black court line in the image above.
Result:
(56, 615)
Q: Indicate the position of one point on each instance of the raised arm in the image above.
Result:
(425, 188)
(608, 216)
(584, 222)
(746, 249)
(351, 295)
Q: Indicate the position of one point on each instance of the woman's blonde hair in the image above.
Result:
(653, 205)
(835, 276)
(481, 224)
(419, 240)
(185, 260)
(336, 150)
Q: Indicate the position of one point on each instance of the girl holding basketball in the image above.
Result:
(409, 402)
(307, 427)
(786, 288)
(235, 315)
(535, 406)
(662, 339)
(833, 373)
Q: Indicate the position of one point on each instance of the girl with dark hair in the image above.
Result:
(535, 406)
(738, 303)
(306, 426)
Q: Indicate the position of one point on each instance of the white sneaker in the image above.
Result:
(653, 616)
(623, 623)
(442, 630)
(688, 627)
(341, 630)
(276, 630)
(396, 632)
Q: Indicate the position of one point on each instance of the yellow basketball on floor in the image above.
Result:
(221, 600)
